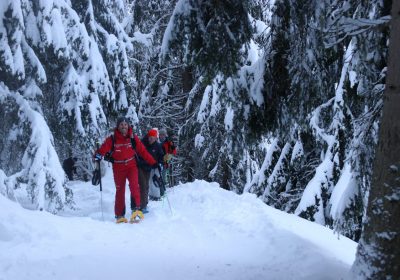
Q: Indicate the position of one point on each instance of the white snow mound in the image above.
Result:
(208, 233)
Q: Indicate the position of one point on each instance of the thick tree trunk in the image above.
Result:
(378, 255)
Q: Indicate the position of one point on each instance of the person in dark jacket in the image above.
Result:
(125, 166)
(150, 141)
(69, 167)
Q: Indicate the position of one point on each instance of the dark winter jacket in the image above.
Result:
(155, 150)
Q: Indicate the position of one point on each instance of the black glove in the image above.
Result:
(154, 166)
(173, 147)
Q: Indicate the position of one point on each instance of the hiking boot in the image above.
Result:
(144, 210)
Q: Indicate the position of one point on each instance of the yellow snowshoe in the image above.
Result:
(136, 216)
(121, 220)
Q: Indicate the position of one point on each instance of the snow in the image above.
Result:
(207, 233)
(199, 140)
(297, 152)
(276, 175)
(313, 191)
(343, 192)
(324, 172)
(182, 7)
(228, 120)
(259, 177)
(40, 163)
(201, 115)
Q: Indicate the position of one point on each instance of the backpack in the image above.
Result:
(108, 156)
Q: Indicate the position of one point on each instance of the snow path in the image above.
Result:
(210, 234)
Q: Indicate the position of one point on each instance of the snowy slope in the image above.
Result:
(209, 234)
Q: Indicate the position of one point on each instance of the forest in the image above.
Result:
(279, 98)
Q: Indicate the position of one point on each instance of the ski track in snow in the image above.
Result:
(209, 234)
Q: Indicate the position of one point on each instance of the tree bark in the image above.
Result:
(378, 254)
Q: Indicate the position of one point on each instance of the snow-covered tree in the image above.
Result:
(69, 63)
(38, 171)
(207, 29)
(306, 66)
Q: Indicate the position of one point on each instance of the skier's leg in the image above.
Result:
(120, 181)
(144, 177)
(134, 184)
(161, 183)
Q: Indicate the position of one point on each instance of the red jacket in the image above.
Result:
(123, 148)
(168, 147)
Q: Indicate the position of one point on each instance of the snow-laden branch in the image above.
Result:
(181, 7)
(259, 178)
(41, 168)
(313, 196)
(349, 27)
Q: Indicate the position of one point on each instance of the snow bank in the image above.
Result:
(208, 233)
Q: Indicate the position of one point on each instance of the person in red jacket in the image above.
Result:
(167, 145)
(123, 157)
(169, 151)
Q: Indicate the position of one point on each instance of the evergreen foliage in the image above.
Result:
(277, 98)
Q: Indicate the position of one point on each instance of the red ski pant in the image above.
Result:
(122, 172)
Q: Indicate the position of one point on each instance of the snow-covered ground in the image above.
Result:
(208, 233)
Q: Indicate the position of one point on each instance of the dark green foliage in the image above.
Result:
(213, 34)
(310, 211)
(12, 140)
(350, 224)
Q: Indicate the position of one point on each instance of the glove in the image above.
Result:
(98, 157)
(167, 157)
(173, 147)
(154, 166)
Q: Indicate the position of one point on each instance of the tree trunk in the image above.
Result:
(378, 255)
(187, 79)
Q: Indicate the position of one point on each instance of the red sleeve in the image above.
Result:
(142, 151)
(105, 147)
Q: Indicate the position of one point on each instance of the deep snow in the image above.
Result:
(208, 233)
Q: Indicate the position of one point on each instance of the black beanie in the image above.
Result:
(122, 119)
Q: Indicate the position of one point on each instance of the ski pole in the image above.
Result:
(101, 196)
(101, 187)
(165, 190)
(171, 174)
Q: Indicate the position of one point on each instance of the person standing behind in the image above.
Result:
(169, 151)
(123, 158)
(69, 167)
(150, 141)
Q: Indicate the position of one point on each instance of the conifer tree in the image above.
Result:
(68, 66)
(378, 251)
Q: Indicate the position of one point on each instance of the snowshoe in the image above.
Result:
(121, 220)
(136, 217)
